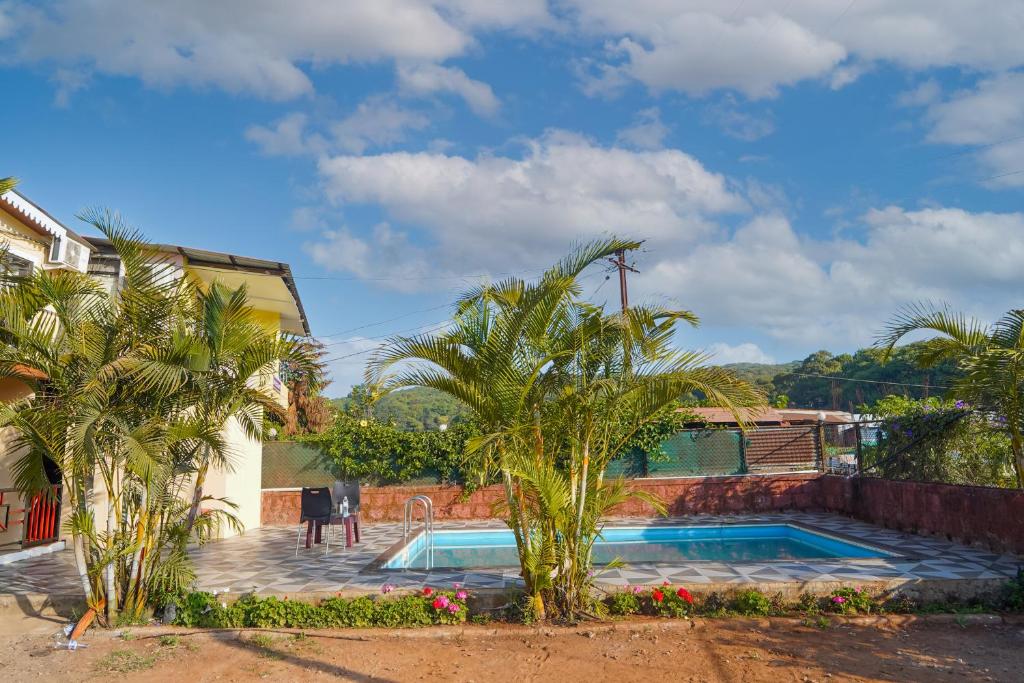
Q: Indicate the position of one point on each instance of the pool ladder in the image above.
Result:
(428, 524)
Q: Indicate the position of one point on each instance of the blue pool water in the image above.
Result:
(660, 544)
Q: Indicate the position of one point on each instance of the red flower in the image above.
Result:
(665, 583)
(657, 595)
(438, 604)
(685, 595)
(428, 591)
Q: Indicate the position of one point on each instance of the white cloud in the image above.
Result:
(990, 115)
(241, 46)
(376, 122)
(503, 212)
(287, 137)
(698, 53)
(646, 132)
(736, 123)
(757, 46)
(991, 111)
(746, 352)
(425, 79)
(921, 95)
(839, 293)
(385, 256)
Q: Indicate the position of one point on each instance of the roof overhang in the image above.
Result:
(270, 284)
(32, 215)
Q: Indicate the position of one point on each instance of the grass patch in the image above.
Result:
(170, 641)
(264, 644)
(126, 661)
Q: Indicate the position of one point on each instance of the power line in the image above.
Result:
(433, 327)
(387, 320)
(338, 278)
(437, 324)
(867, 381)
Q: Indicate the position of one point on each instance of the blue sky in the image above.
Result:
(799, 169)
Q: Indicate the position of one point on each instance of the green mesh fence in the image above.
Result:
(688, 453)
(287, 464)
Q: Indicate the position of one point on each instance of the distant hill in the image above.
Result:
(416, 409)
(761, 372)
(867, 380)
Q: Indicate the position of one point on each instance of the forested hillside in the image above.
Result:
(797, 384)
(411, 409)
(865, 379)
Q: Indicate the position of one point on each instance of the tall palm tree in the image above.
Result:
(63, 335)
(991, 360)
(134, 387)
(559, 387)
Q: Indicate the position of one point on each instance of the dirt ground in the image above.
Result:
(713, 650)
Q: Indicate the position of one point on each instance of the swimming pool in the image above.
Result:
(641, 545)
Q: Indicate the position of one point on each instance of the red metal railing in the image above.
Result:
(40, 520)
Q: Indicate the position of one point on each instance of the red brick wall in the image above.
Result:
(682, 496)
(980, 515)
(969, 514)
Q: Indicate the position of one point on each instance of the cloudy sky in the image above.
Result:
(797, 169)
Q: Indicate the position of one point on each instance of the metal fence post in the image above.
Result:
(860, 453)
(743, 453)
(820, 454)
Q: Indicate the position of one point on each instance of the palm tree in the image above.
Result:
(990, 358)
(134, 387)
(559, 387)
(63, 335)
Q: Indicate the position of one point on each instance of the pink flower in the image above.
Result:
(442, 602)
(386, 588)
(456, 586)
(839, 599)
(461, 595)
(637, 590)
(453, 608)
(437, 604)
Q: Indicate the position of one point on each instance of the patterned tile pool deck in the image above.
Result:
(263, 560)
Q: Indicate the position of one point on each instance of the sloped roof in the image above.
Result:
(768, 415)
(34, 216)
(292, 313)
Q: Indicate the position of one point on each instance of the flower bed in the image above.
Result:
(426, 608)
(450, 606)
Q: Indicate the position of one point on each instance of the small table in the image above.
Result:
(351, 523)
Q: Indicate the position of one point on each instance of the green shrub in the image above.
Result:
(809, 604)
(354, 613)
(900, 604)
(1013, 592)
(714, 604)
(421, 609)
(752, 602)
(851, 601)
(623, 603)
(667, 601)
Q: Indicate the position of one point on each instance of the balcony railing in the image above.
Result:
(39, 519)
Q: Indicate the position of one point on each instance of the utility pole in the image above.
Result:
(620, 264)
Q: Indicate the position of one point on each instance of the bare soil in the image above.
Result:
(712, 650)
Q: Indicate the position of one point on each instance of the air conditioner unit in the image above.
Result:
(69, 253)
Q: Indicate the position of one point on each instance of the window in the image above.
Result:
(16, 266)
